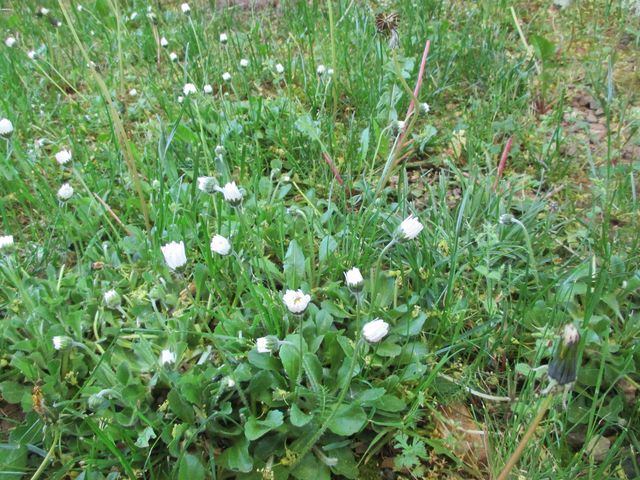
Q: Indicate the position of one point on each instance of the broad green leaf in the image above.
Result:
(348, 420)
(290, 357)
(310, 467)
(237, 457)
(328, 245)
(409, 325)
(255, 428)
(180, 407)
(298, 417)
(191, 468)
(294, 264)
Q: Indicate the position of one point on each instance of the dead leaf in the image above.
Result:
(462, 434)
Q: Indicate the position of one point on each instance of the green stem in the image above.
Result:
(333, 56)
(46, 459)
(527, 239)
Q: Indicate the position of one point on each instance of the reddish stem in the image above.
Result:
(503, 162)
(335, 172)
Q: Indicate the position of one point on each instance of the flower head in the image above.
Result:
(6, 242)
(506, 219)
(112, 299)
(65, 192)
(296, 301)
(186, 9)
(174, 254)
(564, 365)
(267, 344)
(244, 63)
(6, 128)
(164, 43)
(398, 126)
(208, 89)
(173, 56)
(207, 184)
(354, 280)
(330, 72)
(42, 12)
(10, 42)
(167, 357)
(424, 108)
(220, 245)
(63, 156)
(226, 76)
(375, 330)
(133, 92)
(321, 70)
(231, 193)
(62, 342)
(188, 89)
(32, 54)
(410, 228)
(279, 68)
(223, 38)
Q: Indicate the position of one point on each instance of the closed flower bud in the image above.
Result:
(506, 219)
(6, 128)
(375, 330)
(564, 365)
(174, 254)
(173, 56)
(220, 245)
(6, 242)
(226, 76)
(223, 38)
(10, 42)
(410, 228)
(279, 68)
(32, 54)
(167, 357)
(207, 184)
(208, 89)
(296, 301)
(62, 342)
(65, 192)
(112, 299)
(244, 63)
(164, 43)
(188, 89)
(321, 70)
(63, 157)
(186, 9)
(267, 344)
(398, 126)
(231, 193)
(354, 280)
(133, 92)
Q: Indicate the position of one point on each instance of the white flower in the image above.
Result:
(10, 42)
(410, 228)
(220, 245)
(188, 89)
(134, 15)
(61, 342)
(424, 108)
(223, 38)
(43, 11)
(279, 68)
(267, 344)
(65, 192)
(226, 76)
(63, 156)
(231, 193)
(399, 126)
(133, 92)
(207, 184)
(570, 334)
(375, 330)
(6, 127)
(296, 301)
(111, 299)
(164, 43)
(208, 89)
(230, 382)
(79, 8)
(244, 63)
(173, 56)
(180, 98)
(32, 54)
(321, 70)
(330, 72)
(174, 254)
(354, 279)
(186, 9)
(167, 357)
(6, 242)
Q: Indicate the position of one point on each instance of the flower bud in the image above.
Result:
(267, 344)
(62, 342)
(112, 299)
(375, 330)
(354, 280)
(564, 365)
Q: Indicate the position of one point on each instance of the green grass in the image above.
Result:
(469, 299)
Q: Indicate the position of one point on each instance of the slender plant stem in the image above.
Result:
(46, 459)
(515, 456)
(332, 31)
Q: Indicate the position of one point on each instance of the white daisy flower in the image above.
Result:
(173, 56)
(354, 279)
(32, 54)
(410, 228)
(244, 63)
(65, 192)
(10, 42)
(223, 38)
(164, 43)
(220, 245)
(133, 92)
(208, 89)
(63, 156)
(167, 357)
(186, 9)
(231, 193)
(112, 299)
(180, 99)
(6, 128)
(321, 70)
(296, 301)
(6, 242)
(375, 330)
(188, 89)
(226, 76)
(279, 68)
(174, 254)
